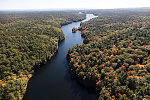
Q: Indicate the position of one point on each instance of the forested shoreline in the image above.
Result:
(115, 56)
(27, 40)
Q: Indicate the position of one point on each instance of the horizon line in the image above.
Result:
(62, 9)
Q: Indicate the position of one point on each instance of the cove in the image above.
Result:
(53, 80)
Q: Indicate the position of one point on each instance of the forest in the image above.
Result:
(27, 40)
(115, 56)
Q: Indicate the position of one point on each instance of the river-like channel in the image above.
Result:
(53, 81)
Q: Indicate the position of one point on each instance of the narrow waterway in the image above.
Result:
(53, 81)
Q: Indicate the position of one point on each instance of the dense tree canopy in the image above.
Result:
(115, 56)
(28, 39)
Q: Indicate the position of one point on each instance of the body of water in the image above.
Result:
(53, 81)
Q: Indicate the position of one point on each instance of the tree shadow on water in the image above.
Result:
(79, 90)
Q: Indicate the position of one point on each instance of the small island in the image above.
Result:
(74, 30)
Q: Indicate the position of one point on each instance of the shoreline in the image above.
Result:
(39, 65)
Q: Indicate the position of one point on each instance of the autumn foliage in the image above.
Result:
(116, 53)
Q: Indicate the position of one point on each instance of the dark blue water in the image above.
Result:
(53, 81)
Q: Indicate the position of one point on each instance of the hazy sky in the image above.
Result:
(48, 4)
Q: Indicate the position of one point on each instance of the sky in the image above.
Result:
(78, 4)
